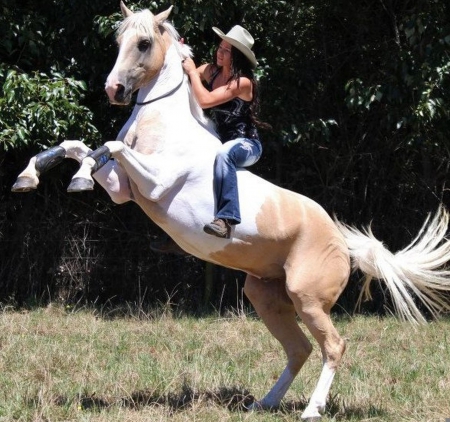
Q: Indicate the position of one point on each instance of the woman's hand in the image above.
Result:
(189, 66)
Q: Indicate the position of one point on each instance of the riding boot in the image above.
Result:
(220, 227)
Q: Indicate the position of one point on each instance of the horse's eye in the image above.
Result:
(143, 45)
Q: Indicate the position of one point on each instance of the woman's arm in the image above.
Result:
(220, 95)
(204, 70)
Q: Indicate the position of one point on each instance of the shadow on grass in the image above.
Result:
(235, 399)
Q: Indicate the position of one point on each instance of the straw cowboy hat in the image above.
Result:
(241, 39)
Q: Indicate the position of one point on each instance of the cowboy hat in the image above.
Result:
(241, 39)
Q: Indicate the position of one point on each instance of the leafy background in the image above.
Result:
(357, 94)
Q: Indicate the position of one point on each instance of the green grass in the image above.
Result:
(64, 365)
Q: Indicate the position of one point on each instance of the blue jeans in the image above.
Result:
(237, 153)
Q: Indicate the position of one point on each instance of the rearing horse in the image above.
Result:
(297, 259)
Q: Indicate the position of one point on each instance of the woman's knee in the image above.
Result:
(224, 155)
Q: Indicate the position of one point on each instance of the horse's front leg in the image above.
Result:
(99, 166)
(152, 178)
(94, 161)
(45, 160)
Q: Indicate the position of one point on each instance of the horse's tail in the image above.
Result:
(418, 271)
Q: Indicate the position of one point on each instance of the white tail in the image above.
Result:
(416, 271)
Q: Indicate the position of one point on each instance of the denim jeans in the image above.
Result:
(237, 153)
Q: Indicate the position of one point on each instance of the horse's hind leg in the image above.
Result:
(313, 300)
(333, 347)
(45, 160)
(272, 304)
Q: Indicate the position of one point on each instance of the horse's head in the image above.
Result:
(143, 40)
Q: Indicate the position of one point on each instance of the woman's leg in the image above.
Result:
(234, 154)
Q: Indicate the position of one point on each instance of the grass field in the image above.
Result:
(58, 364)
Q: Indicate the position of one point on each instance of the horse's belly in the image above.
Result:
(273, 219)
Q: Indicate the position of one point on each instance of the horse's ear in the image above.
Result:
(125, 11)
(163, 16)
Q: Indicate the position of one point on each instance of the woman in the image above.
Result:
(230, 91)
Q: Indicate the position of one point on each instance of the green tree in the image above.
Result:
(357, 94)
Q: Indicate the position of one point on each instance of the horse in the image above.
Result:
(297, 258)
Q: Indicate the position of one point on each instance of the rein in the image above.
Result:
(167, 94)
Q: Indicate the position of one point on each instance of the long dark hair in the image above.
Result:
(242, 67)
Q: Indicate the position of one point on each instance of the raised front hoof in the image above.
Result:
(80, 184)
(24, 184)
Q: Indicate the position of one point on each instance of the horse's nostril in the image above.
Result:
(120, 91)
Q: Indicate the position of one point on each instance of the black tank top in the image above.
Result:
(233, 118)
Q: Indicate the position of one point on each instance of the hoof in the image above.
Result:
(311, 416)
(257, 406)
(253, 407)
(24, 184)
(80, 184)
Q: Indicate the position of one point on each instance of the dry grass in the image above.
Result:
(64, 365)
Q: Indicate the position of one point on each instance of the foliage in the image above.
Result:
(43, 110)
(357, 94)
(415, 88)
(53, 44)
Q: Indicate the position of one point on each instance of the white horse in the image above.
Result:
(297, 259)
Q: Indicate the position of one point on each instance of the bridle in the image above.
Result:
(167, 94)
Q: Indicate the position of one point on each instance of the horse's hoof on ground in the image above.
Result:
(253, 407)
(308, 416)
(80, 184)
(24, 184)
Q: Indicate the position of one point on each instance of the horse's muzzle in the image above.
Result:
(118, 94)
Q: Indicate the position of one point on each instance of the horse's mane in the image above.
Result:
(143, 21)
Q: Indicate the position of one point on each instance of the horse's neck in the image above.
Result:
(198, 113)
(170, 75)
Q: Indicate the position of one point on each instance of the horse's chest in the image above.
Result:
(145, 132)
